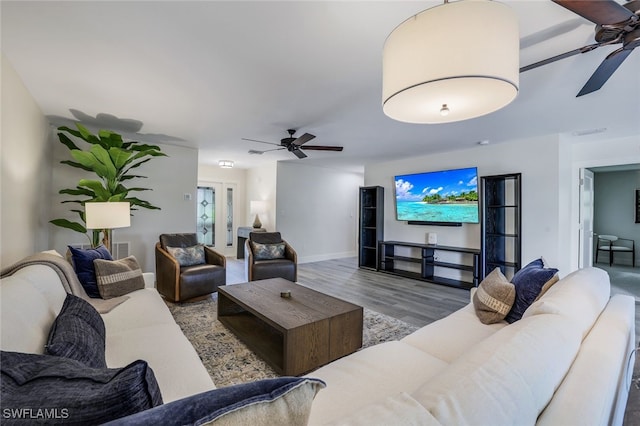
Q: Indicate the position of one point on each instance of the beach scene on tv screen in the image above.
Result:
(444, 196)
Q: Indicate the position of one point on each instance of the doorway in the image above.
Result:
(216, 215)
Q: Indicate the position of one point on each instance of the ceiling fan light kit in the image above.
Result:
(463, 55)
(225, 164)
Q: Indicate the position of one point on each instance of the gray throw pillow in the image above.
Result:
(71, 392)
(78, 333)
(188, 256)
(530, 282)
(267, 251)
(118, 277)
(494, 297)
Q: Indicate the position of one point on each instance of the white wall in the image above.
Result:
(317, 210)
(221, 179)
(614, 209)
(25, 151)
(594, 153)
(169, 178)
(538, 159)
(262, 186)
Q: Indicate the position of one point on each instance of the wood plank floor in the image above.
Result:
(415, 302)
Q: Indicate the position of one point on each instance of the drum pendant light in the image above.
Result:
(452, 62)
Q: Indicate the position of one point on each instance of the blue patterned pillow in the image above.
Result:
(70, 391)
(82, 261)
(529, 282)
(267, 251)
(188, 256)
(280, 401)
(78, 333)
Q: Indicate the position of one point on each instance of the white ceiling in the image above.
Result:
(206, 74)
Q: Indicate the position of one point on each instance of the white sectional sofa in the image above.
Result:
(140, 328)
(568, 361)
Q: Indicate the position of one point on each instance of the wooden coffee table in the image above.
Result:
(293, 335)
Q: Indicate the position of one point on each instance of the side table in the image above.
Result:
(243, 235)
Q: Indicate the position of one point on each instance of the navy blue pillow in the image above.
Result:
(83, 265)
(72, 393)
(78, 333)
(528, 282)
(207, 407)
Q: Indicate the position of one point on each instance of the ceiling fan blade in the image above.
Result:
(605, 70)
(299, 153)
(583, 49)
(255, 151)
(303, 139)
(254, 140)
(322, 148)
(601, 12)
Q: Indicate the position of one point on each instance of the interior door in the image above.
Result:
(586, 219)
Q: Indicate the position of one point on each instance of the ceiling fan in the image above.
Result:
(615, 24)
(294, 145)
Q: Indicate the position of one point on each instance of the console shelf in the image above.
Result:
(400, 264)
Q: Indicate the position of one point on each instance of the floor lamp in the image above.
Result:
(105, 216)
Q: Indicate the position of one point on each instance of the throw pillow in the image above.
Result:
(78, 333)
(82, 261)
(280, 401)
(72, 393)
(267, 251)
(529, 282)
(118, 277)
(188, 256)
(494, 298)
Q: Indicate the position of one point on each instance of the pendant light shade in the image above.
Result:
(452, 62)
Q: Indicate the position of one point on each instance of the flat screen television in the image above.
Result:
(441, 197)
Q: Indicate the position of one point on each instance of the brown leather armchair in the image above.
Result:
(260, 268)
(179, 283)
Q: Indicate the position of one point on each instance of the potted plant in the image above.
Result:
(112, 160)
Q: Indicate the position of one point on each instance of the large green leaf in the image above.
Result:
(102, 194)
(119, 157)
(89, 160)
(87, 135)
(77, 191)
(103, 157)
(78, 165)
(129, 177)
(65, 223)
(66, 141)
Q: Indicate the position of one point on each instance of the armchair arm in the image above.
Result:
(168, 273)
(248, 260)
(212, 257)
(290, 253)
(633, 243)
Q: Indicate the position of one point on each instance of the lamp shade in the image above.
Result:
(109, 215)
(452, 62)
(258, 207)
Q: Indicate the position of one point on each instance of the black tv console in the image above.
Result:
(399, 264)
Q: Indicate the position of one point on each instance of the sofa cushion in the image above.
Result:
(78, 333)
(26, 316)
(75, 393)
(369, 376)
(494, 298)
(529, 282)
(580, 296)
(82, 261)
(176, 364)
(188, 256)
(400, 409)
(118, 277)
(267, 251)
(450, 337)
(281, 401)
(506, 379)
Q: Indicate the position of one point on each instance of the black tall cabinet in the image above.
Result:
(501, 239)
(371, 225)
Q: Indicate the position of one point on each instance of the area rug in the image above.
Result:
(229, 361)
